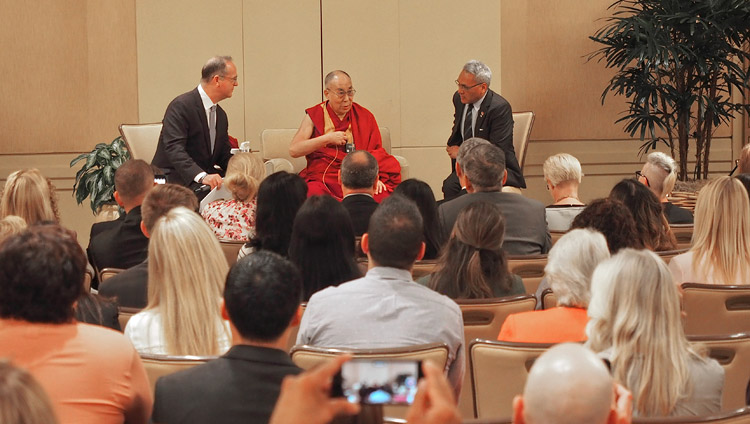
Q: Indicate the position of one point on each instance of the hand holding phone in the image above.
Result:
(378, 382)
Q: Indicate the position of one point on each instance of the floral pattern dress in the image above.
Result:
(231, 219)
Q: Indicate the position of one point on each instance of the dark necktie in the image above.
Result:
(212, 126)
(468, 133)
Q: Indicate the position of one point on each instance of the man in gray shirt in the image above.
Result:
(386, 308)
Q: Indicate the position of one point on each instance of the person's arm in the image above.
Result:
(434, 402)
(303, 145)
(456, 138)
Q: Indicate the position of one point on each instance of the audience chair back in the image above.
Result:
(712, 309)
(733, 354)
(549, 300)
(231, 249)
(108, 273)
(124, 315)
(556, 235)
(160, 365)
(522, 124)
(684, 235)
(737, 416)
(88, 276)
(423, 267)
(530, 268)
(667, 255)
(141, 139)
(498, 373)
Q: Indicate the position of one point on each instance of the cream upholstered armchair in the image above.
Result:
(141, 139)
(522, 124)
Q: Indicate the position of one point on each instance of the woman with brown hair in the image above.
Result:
(651, 224)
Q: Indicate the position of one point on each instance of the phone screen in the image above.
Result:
(377, 382)
(160, 179)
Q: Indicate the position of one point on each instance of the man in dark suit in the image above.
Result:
(194, 138)
(480, 167)
(480, 112)
(359, 179)
(261, 300)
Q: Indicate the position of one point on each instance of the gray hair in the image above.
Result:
(217, 65)
(483, 163)
(663, 183)
(359, 170)
(571, 263)
(481, 72)
(562, 167)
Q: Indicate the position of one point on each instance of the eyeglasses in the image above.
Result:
(466, 87)
(341, 93)
(233, 79)
(639, 175)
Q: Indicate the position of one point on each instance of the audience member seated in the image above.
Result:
(386, 308)
(91, 374)
(122, 244)
(186, 270)
(22, 399)
(359, 180)
(421, 193)
(473, 264)
(480, 167)
(568, 384)
(11, 225)
(635, 325)
(720, 253)
(562, 173)
(325, 131)
(659, 174)
(280, 196)
(261, 300)
(234, 219)
(94, 309)
(322, 245)
(569, 267)
(650, 222)
(31, 196)
(130, 287)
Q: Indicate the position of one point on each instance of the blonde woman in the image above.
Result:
(234, 219)
(635, 325)
(31, 196)
(11, 225)
(186, 272)
(721, 239)
(562, 173)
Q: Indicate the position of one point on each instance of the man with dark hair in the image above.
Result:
(120, 243)
(194, 138)
(261, 300)
(130, 287)
(480, 167)
(359, 179)
(91, 374)
(386, 308)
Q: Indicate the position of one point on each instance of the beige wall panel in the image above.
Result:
(428, 164)
(282, 64)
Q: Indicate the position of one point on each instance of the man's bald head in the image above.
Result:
(567, 384)
(334, 75)
(359, 170)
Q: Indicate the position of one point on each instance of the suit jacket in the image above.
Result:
(495, 124)
(240, 387)
(129, 288)
(122, 245)
(184, 148)
(525, 222)
(360, 208)
(676, 214)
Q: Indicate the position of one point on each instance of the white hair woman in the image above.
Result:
(721, 239)
(562, 173)
(570, 264)
(186, 273)
(659, 174)
(635, 325)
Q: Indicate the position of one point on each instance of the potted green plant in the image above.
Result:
(677, 62)
(96, 178)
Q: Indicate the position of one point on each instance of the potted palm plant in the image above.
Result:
(96, 178)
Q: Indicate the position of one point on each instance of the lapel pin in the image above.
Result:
(481, 114)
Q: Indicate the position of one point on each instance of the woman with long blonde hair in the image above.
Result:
(635, 324)
(186, 273)
(721, 238)
(30, 195)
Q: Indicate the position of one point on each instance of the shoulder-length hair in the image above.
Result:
(322, 244)
(186, 273)
(23, 399)
(421, 193)
(651, 224)
(245, 171)
(30, 195)
(280, 196)
(721, 237)
(571, 262)
(473, 260)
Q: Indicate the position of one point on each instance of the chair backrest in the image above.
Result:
(108, 273)
(423, 267)
(530, 268)
(231, 249)
(733, 354)
(556, 235)
(124, 315)
(88, 275)
(141, 139)
(549, 300)
(498, 373)
(522, 124)
(684, 235)
(737, 416)
(667, 255)
(715, 309)
(160, 365)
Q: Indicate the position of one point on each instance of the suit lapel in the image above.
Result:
(198, 104)
(479, 128)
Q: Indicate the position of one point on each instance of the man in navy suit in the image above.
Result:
(359, 180)
(481, 113)
(194, 138)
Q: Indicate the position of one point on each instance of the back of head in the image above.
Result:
(561, 168)
(262, 293)
(133, 179)
(322, 244)
(568, 384)
(650, 222)
(483, 164)
(31, 196)
(163, 198)
(245, 171)
(11, 225)
(421, 194)
(41, 275)
(661, 172)
(481, 72)
(217, 65)
(614, 220)
(279, 198)
(570, 264)
(22, 399)
(395, 233)
(359, 170)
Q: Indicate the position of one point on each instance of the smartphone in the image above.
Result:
(377, 382)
